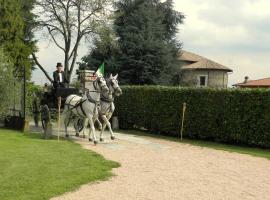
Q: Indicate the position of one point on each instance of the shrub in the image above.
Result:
(33, 92)
(231, 116)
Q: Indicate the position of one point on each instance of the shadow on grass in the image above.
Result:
(39, 136)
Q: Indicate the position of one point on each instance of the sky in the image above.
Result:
(234, 33)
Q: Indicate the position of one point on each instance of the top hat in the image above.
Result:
(59, 65)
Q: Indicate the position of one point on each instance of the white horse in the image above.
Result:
(77, 107)
(107, 105)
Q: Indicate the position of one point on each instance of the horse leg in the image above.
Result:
(101, 130)
(110, 127)
(76, 127)
(108, 124)
(99, 124)
(90, 131)
(84, 126)
(66, 124)
(92, 128)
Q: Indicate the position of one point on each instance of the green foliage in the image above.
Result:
(33, 93)
(231, 116)
(16, 23)
(32, 168)
(144, 49)
(6, 83)
(105, 50)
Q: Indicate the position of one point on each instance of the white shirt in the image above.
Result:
(60, 77)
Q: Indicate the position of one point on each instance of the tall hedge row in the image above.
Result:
(231, 116)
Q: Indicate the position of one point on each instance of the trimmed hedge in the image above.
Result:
(230, 116)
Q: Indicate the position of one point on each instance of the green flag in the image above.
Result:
(100, 71)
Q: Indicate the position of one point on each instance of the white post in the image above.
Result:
(59, 115)
(183, 119)
(115, 123)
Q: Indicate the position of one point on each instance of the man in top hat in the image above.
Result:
(59, 78)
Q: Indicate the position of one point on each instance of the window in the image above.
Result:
(202, 81)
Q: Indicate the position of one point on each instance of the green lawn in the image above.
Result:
(33, 169)
(265, 153)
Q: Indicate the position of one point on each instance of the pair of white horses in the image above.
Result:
(96, 104)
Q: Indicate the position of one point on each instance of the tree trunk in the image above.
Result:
(42, 68)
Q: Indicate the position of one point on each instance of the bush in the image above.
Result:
(231, 116)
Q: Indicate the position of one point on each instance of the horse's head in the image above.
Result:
(102, 84)
(114, 86)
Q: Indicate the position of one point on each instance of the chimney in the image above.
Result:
(246, 79)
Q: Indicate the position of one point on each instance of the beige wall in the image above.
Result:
(215, 78)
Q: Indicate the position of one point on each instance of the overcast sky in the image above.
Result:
(235, 33)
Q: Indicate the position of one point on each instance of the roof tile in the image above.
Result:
(256, 83)
(200, 62)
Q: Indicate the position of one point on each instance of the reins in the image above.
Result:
(106, 99)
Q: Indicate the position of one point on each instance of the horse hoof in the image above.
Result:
(95, 142)
(83, 136)
(67, 135)
(90, 140)
(112, 137)
(101, 140)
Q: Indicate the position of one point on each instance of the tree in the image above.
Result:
(27, 7)
(147, 48)
(6, 83)
(67, 22)
(105, 50)
(15, 33)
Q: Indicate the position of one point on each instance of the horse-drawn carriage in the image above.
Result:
(94, 99)
(50, 102)
(53, 99)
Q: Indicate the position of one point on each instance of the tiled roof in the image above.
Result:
(188, 56)
(255, 83)
(207, 64)
(200, 62)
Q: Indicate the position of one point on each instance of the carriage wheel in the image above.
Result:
(46, 121)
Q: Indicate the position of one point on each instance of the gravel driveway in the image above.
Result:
(157, 169)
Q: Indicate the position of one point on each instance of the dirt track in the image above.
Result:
(164, 170)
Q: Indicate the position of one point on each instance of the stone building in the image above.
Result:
(198, 71)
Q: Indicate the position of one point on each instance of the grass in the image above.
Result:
(35, 169)
(257, 152)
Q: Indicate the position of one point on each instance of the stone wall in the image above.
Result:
(215, 78)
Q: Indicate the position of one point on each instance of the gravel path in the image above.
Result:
(155, 169)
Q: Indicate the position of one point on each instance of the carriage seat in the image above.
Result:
(65, 92)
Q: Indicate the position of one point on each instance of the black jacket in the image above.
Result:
(56, 79)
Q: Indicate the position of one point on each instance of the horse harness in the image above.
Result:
(79, 105)
(106, 100)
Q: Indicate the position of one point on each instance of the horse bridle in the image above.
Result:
(111, 83)
(97, 90)
(95, 84)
